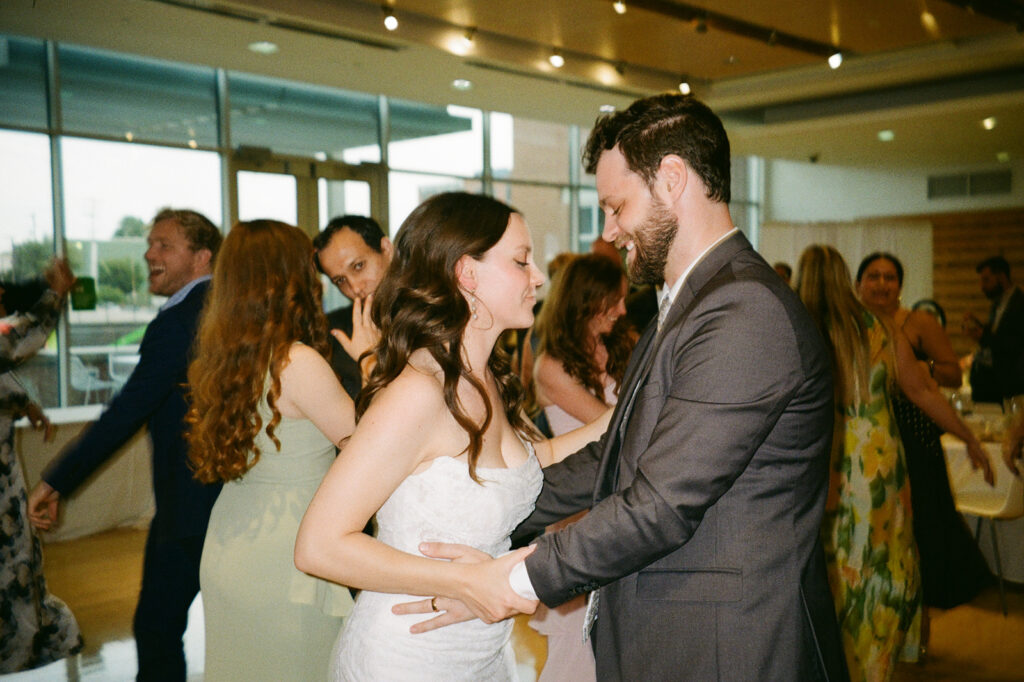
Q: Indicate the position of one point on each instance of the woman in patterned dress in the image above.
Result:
(953, 569)
(868, 529)
(36, 627)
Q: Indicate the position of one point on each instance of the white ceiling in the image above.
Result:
(930, 82)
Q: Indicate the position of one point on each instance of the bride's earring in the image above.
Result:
(472, 305)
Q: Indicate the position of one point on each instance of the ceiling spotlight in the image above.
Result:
(390, 21)
(886, 135)
(684, 86)
(929, 23)
(620, 68)
(988, 123)
(702, 25)
(469, 36)
(263, 47)
(462, 84)
(619, 6)
(773, 37)
(556, 59)
(836, 60)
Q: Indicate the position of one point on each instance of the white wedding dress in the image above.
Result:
(441, 503)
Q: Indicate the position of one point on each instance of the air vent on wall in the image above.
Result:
(969, 184)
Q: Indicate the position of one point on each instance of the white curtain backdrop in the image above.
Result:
(910, 240)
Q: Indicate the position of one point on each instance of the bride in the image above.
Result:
(442, 450)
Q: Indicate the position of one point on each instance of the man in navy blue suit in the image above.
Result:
(182, 247)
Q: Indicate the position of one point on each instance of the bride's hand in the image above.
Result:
(449, 612)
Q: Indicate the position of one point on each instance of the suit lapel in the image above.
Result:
(636, 375)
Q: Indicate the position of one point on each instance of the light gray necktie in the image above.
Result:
(590, 615)
(666, 303)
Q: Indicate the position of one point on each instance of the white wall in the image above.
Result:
(806, 192)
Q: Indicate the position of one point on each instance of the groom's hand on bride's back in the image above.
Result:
(480, 587)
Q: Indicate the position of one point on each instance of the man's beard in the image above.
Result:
(652, 240)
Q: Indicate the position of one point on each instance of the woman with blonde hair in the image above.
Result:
(266, 415)
(867, 530)
(442, 451)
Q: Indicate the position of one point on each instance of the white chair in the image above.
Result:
(976, 497)
(87, 379)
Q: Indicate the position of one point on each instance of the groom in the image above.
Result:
(706, 494)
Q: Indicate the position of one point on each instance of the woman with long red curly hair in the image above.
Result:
(266, 415)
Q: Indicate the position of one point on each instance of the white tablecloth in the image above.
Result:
(1010, 531)
(119, 494)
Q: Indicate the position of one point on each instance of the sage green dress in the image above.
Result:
(868, 529)
(265, 619)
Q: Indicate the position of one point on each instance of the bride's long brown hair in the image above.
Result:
(265, 296)
(418, 304)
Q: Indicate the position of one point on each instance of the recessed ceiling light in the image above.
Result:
(263, 47)
(620, 7)
(462, 84)
(1003, 157)
(988, 123)
(607, 108)
(886, 135)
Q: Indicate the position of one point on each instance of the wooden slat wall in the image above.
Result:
(961, 241)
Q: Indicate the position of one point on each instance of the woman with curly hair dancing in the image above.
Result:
(442, 450)
(266, 414)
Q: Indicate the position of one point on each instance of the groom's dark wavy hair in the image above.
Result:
(654, 127)
(418, 304)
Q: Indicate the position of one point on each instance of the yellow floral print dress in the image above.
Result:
(868, 530)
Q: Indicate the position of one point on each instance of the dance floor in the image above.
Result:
(98, 577)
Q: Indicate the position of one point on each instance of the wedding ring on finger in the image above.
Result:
(433, 604)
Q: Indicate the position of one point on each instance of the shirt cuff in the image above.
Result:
(519, 580)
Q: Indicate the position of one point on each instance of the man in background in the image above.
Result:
(997, 370)
(182, 247)
(354, 253)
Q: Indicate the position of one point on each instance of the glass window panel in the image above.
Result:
(546, 210)
(155, 101)
(303, 120)
(112, 190)
(436, 139)
(267, 195)
(26, 239)
(406, 191)
(591, 220)
(23, 82)
(585, 177)
(523, 149)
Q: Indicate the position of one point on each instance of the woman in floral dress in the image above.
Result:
(36, 628)
(868, 526)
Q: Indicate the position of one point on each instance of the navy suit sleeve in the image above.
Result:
(163, 360)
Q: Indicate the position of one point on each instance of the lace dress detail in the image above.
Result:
(441, 503)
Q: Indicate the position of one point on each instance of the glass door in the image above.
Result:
(303, 192)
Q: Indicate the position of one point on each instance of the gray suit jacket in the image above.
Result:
(706, 493)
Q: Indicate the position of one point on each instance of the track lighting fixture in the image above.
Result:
(390, 21)
(469, 36)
